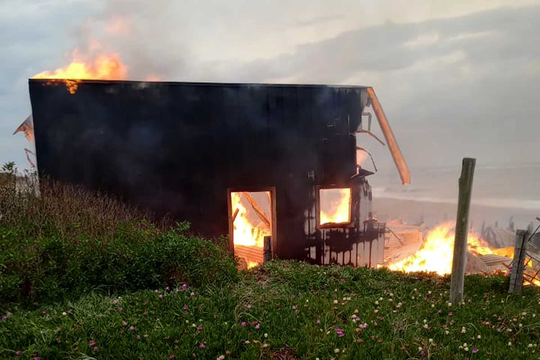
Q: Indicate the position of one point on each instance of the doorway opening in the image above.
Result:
(251, 219)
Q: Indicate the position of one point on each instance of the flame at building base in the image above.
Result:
(437, 251)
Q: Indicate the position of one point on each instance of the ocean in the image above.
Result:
(501, 193)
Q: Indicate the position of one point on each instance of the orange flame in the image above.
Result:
(248, 237)
(108, 67)
(335, 206)
(437, 251)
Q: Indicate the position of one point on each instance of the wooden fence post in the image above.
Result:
(462, 230)
(518, 264)
(267, 249)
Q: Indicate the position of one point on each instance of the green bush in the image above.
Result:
(68, 241)
(51, 268)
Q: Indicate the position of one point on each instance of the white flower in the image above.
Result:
(348, 298)
(463, 330)
(376, 311)
(449, 304)
(419, 348)
(432, 305)
(426, 326)
(336, 351)
(479, 336)
(530, 345)
(430, 340)
(335, 301)
(429, 292)
(376, 302)
(447, 332)
(425, 321)
(509, 343)
(265, 335)
(64, 313)
(356, 311)
(381, 299)
(466, 349)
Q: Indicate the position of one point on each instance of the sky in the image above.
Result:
(456, 78)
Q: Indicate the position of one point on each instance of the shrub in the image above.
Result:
(69, 241)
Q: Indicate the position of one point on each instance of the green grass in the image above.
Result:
(289, 310)
(93, 264)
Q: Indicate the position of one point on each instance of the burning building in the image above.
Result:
(275, 166)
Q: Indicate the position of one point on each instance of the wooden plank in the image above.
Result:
(250, 253)
(395, 151)
(462, 230)
(257, 209)
(520, 250)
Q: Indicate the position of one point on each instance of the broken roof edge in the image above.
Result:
(200, 83)
(393, 146)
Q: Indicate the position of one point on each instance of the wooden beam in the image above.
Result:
(393, 146)
(235, 214)
(257, 209)
(518, 264)
(462, 230)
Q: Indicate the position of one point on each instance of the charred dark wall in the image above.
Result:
(175, 148)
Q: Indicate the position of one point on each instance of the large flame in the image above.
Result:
(248, 234)
(435, 255)
(437, 251)
(105, 67)
(335, 206)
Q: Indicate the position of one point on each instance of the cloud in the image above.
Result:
(454, 82)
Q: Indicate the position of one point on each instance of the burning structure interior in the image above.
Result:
(274, 165)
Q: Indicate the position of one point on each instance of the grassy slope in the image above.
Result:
(288, 308)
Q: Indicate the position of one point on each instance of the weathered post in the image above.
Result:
(462, 230)
(267, 250)
(518, 264)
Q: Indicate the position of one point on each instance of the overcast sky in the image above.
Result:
(456, 78)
